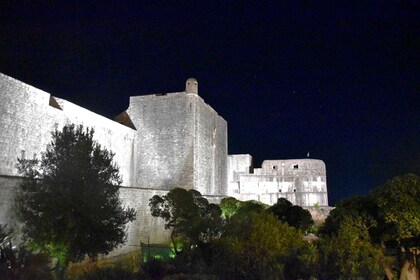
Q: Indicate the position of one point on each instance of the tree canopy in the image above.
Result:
(354, 207)
(349, 252)
(190, 216)
(293, 215)
(398, 201)
(390, 214)
(256, 246)
(69, 201)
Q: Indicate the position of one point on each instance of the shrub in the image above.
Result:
(157, 269)
(107, 273)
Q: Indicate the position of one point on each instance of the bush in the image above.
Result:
(157, 269)
(107, 273)
(20, 263)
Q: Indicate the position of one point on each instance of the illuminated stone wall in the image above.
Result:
(8, 186)
(29, 115)
(146, 228)
(182, 142)
(162, 142)
(301, 181)
(210, 145)
(164, 152)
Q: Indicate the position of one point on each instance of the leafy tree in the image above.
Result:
(399, 206)
(399, 203)
(354, 207)
(229, 206)
(255, 247)
(190, 216)
(68, 202)
(349, 254)
(293, 215)
(245, 208)
(390, 214)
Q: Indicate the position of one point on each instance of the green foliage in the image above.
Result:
(250, 206)
(190, 216)
(350, 254)
(107, 273)
(68, 202)
(390, 214)
(156, 269)
(255, 247)
(16, 262)
(399, 203)
(293, 215)
(355, 207)
(229, 206)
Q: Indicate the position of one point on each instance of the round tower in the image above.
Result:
(191, 86)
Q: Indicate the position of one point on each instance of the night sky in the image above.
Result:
(338, 80)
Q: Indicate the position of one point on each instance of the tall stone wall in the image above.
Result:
(210, 145)
(163, 141)
(146, 228)
(27, 118)
(164, 150)
(8, 186)
(182, 142)
(29, 115)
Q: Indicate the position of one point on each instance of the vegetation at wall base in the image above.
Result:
(68, 202)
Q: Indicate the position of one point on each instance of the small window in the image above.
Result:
(294, 190)
(295, 166)
(274, 167)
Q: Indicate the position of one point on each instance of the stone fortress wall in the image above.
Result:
(301, 181)
(160, 142)
(182, 142)
(29, 115)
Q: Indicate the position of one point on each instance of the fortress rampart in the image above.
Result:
(160, 142)
(302, 181)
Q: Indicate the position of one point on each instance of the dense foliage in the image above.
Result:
(191, 217)
(18, 263)
(391, 216)
(256, 247)
(293, 215)
(68, 202)
(350, 253)
(255, 241)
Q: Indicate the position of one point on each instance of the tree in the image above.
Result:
(68, 202)
(229, 206)
(190, 216)
(399, 206)
(256, 246)
(354, 207)
(390, 214)
(293, 215)
(349, 254)
(399, 203)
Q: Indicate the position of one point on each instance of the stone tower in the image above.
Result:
(181, 142)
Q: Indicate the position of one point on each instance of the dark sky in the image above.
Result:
(336, 79)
